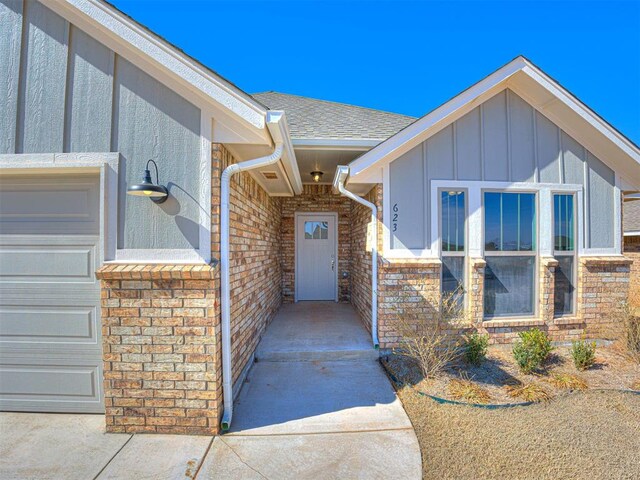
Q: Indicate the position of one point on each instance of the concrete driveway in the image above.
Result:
(69, 447)
(316, 405)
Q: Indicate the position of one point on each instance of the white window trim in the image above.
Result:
(534, 253)
(567, 253)
(475, 209)
(463, 253)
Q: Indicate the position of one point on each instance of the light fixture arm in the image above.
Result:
(155, 165)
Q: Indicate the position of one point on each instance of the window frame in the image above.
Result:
(567, 253)
(535, 252)
(464, 252)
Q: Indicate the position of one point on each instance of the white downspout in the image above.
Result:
(227, 376)
(341, 175)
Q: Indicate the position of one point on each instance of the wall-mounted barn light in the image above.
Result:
(316, 176)
(156, 192)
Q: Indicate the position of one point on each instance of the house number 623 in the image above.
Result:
(394, 220)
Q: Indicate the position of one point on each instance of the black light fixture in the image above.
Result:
(317, 175)
(157, 193)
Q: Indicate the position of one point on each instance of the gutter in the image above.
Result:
(342, 173)
(277, 128)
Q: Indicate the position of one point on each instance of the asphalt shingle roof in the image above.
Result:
(310, 118)
(631, 217)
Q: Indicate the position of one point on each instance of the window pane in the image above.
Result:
(452, 215)
(492, 215)
(453, 277)
(563, 223)
(324, 231)
(563, 295)
(510, 221)
(308, 230)
(509, 286)
(316, 230)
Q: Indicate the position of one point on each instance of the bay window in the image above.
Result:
(452, 247)
(564, 253)
(510, 253)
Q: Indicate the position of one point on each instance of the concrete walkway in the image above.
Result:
(317, 405)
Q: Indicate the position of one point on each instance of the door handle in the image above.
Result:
(333, 264)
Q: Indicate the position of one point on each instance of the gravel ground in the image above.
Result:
(591, 435)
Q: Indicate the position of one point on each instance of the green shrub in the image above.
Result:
(583, 353)
(475, 348)
(531, 350)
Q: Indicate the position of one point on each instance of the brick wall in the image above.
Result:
(316, 198)
(632, 252)
(255, 248)
(361, 254)
(161, 349)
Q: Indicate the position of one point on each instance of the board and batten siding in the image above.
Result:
(502, 140)
(63, 91)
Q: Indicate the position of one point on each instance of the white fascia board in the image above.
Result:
(135, 43)
(367, 168)
(632, 233)
(279, 129)
(583, 111)
(342, 144)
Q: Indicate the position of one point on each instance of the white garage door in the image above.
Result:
(50, 348)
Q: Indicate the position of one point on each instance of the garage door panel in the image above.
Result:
(61, 260)
(50, 331)
(50, 384)
(37, 324)
(51, 204)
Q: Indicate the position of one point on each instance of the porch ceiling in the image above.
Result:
(325, 161)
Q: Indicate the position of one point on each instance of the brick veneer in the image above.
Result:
(161, 323)
(160, 349)
(316, 198)
(255, 257)
(361, 236)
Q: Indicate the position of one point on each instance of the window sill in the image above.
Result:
(568, 320)
(513, 322)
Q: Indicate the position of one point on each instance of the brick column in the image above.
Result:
(161, 349)
(475, 290)
(603, 286)
(546, 298)
(409, 287)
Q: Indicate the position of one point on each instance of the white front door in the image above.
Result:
(316, 256)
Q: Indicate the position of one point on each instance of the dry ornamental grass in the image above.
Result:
(465, 390)
(566, 381)
(531, 392)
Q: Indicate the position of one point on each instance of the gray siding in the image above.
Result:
(504, 139)
(63, 91)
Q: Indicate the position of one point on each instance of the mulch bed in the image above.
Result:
(612, 370)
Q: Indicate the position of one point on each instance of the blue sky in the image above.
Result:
(409, 56)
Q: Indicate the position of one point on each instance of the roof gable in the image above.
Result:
(540, 91)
